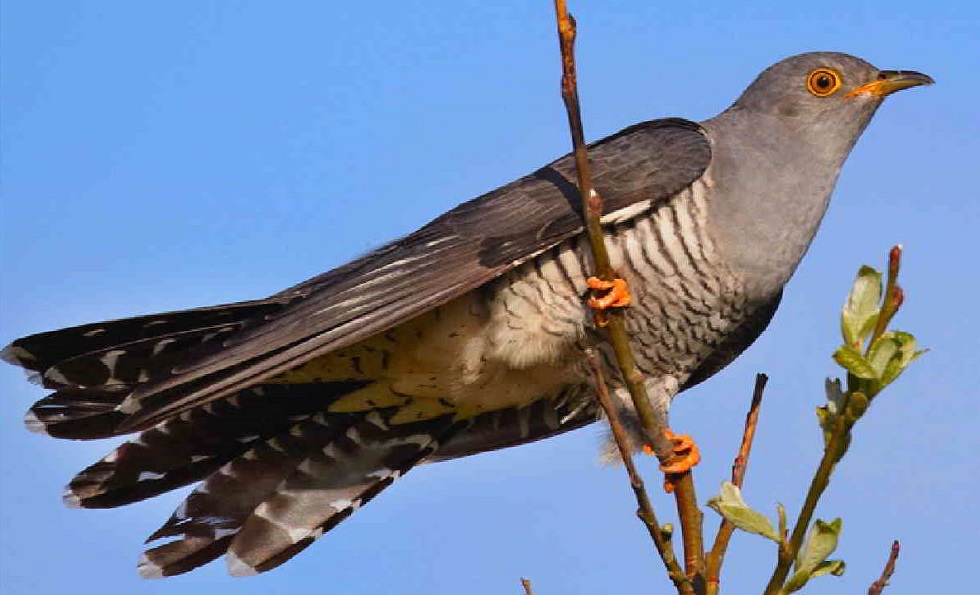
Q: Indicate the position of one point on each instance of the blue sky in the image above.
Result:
(158, 156)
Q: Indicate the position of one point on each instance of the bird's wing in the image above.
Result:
(49, 357)
(456, 253)
(94, 367)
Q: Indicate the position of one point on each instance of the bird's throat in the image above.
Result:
(772, 191)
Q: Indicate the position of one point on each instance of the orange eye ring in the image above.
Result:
(823, 82)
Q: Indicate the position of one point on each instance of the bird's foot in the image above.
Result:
(686, 455)
(617, 293)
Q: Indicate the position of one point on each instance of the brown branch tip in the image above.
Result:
(527, 586)
(716, 557)
(741, 462)
(879, 585)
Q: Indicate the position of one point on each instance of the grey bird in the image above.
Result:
(462, 337)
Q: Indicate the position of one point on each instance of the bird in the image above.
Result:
(466, 336)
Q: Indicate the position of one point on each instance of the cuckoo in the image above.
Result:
(465, 336)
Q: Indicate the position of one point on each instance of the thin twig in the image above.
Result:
(527, 586)
(716, 557)
(751, 423)
(645, 508)
(879, 585)
(819, 483)
(893, 294)
(592, 211)
(653, 425)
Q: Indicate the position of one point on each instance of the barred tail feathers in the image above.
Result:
(270, 503)
(202, 527)
(190, 446)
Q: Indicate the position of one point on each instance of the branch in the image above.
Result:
(879, 585)
(653, 425)
(661, 538)
(893, 293)
(751, 422)
(716, 557)
(527, 586)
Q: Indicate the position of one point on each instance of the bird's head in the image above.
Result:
(820, 91)
(777, 152)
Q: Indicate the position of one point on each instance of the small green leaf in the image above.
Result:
(862, 308)
(882, 352)
(729, 504)
(820, 543)
(834, 567)
(904, 356)
(801, 577)
(851, 360)
(811, 560)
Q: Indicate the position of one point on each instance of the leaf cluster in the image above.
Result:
(811, 559)
(873, 357)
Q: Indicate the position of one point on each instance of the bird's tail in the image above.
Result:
(279, 468)
(281, 471)
(282, 493)
(192, 445)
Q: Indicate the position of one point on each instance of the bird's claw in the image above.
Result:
(686, 455)
(617, 293)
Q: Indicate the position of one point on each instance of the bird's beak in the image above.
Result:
(889, 81)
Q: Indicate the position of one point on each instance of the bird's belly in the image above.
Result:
(466, 357)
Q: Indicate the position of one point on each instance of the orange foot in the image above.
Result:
(687, 454)
(617, 296)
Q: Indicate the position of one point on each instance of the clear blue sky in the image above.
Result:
(159, 156)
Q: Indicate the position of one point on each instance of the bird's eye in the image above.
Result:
(823, 82)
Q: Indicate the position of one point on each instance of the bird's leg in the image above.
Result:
(686, 455)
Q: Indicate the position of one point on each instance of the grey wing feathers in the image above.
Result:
(457, 252)
(42, 352)
(94, 367)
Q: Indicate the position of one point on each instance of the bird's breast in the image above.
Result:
(521, 337)
(685, 299)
